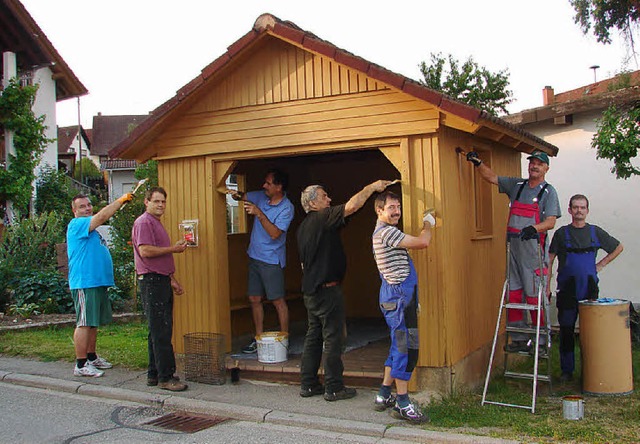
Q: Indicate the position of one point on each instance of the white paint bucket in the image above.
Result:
(573, 407)
(272, 346)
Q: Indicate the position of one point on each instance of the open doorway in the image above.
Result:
(342, 174)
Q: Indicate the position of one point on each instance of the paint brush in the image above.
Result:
(135, 190)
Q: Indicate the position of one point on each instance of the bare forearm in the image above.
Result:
(358, 200)
(271, 229)
(153, 251)
(105, 214)
(487, 174)
(609, 257)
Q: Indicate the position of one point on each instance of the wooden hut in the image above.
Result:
(281, 96)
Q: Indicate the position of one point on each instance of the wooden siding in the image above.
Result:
(348, 117)
(474, 267)
(202, 270)
(279, 72)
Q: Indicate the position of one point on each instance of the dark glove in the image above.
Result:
(472, 157)
(528, 233)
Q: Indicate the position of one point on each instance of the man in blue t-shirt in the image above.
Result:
(90, 274)
(273, 213)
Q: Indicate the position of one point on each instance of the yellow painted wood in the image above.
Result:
(202, 270)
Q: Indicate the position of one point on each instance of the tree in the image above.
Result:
(618, 134)
(618, 139)
(468, 82)
(16, 115)
(86, 169)
(605, 15)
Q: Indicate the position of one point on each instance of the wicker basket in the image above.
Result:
(204, 358)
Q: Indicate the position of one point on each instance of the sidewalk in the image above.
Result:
(248, 400)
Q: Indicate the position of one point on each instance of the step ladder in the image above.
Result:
(539, 332)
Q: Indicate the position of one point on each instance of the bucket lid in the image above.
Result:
(604, 301)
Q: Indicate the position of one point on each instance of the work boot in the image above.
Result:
(517, 346)
(345, 393)
(173, 385)
(307, 392)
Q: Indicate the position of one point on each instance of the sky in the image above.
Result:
(133, 55)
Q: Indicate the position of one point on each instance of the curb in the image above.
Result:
(244, 413)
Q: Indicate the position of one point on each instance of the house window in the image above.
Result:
(236, 219)
(482, 200)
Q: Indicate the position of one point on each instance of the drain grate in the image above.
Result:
(186, 422)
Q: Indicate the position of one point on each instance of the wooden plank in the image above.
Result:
(372, 130)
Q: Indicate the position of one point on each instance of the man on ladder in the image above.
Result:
(534, 208)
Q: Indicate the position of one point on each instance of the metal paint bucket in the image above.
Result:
(573, 407)
(273, 346)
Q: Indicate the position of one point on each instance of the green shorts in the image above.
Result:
(92, 305)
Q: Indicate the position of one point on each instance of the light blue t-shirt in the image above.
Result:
(90, 263)
(261, 246)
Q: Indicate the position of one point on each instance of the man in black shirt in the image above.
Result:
(576, 245)
(323, 267)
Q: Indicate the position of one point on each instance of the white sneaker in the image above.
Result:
(87, 370)
(100, 363)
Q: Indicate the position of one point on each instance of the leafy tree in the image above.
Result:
(618, 139)
(603, 16)
(122, 223)
(86, 169)
(16, 115)
(54, 193)
(468, 82)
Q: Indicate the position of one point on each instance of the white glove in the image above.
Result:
(428, 217)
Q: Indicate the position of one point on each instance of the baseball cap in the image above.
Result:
(540, 155)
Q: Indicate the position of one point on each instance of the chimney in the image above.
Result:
(548, 96)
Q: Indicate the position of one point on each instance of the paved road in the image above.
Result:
(31, 415)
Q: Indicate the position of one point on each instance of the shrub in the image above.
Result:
(48, 290)
(54, 193)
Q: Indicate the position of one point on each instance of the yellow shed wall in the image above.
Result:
(473, 266)
(201, 270)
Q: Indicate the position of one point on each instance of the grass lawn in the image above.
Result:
(607, 419)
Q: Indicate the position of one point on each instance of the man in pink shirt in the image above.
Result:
(153, 254)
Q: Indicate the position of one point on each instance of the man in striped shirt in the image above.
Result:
(398, 302)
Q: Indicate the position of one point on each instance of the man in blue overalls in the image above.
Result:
(533, 210)
(576, 245)
(399, 303)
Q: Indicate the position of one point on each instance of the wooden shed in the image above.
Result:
(281, 96)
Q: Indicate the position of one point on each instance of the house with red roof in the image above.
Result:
(569, 120)
(280, 96)
(29, 55)
(108, 132)
(72, 147)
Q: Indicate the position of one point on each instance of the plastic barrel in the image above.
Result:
(605, 341)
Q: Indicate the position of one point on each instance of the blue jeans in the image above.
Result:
(157, 300)
(326, 324)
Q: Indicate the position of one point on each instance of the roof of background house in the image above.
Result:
(268, 24)
(67, 135)
(618, 90)
(109, 131)
(20, 34)
(118, 164)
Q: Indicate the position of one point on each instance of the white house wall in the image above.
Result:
(614, 203)
(45, 104)
(120, 182)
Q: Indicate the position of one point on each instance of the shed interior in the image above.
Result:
(342, 174)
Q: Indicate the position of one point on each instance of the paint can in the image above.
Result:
(273, 346)
(573, 407)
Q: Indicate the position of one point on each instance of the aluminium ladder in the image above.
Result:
(537, 331)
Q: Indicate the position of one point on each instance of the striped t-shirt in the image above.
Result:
(392, 261)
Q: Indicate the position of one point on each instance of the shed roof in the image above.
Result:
(268, 25)
(20, 34)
